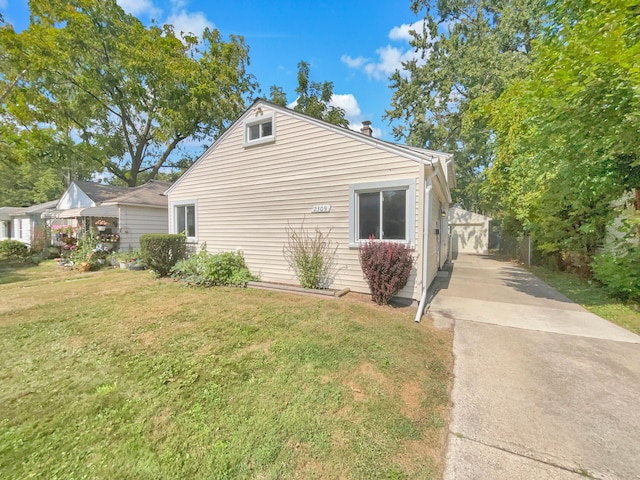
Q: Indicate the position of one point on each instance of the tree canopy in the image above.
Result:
(121, 96)
(540, 101)
(567, 135)
(470, 50)
(312, 98)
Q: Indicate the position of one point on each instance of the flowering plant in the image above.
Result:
(101, 222)
(64, 229)
(110, 237)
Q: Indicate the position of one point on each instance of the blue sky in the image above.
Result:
(355, 44)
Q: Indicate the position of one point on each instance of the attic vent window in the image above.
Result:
(259, 130)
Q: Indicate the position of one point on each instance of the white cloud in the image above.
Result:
(403, 31)
(186, 22)
(3, 4)
(352, 112)
(178, 4)
(138, 7)
(353, 62)
(390, 58)
(348, 103)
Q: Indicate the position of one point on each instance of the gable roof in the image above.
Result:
(98, 192)
(41, 207)
(421, 155)
(7, 212)
(150, 193)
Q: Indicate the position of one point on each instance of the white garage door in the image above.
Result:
(469, 239)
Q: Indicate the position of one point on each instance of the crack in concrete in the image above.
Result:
(582, 472)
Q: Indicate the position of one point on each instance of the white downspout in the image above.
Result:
(426, 224)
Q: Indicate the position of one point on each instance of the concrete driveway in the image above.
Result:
(543, 389)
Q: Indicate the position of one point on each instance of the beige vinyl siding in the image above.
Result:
(246, 197)
(136, 221)
(436, 259)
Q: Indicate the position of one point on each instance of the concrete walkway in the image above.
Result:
(543, 389)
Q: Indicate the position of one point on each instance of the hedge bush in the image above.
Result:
(619, 272)
(205, 269)
(161, 251)
(13, 250)
(386, 267)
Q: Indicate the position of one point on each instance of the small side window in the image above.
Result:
(185, 220)
(259, 130)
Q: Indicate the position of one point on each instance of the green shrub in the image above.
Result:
(226, 268)
(619, 272)
(311, 257)
(13, 250)
(161, 251)
(386, 267)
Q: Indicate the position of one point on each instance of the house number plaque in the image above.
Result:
(321, 209)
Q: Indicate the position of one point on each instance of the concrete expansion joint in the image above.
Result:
(530, 456)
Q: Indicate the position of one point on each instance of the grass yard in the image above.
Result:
(114, 374)
(592, 297)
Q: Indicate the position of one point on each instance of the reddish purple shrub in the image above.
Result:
(386, 267)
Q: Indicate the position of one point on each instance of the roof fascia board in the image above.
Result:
(129, 204)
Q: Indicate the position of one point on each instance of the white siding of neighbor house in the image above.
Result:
(4, 230)
(135, 221)
(22, 230)
(246, 197)
(74, 198)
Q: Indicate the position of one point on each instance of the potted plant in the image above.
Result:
(101, 225)
(122, 259)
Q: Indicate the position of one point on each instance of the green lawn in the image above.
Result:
(113, 374)
(592, 297)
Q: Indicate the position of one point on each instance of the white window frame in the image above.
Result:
(271, 117)
(410, 222)
(174, 217)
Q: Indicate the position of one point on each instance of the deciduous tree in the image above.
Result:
(312, 98)
(567, 136)
(129, 94)
(470, 50)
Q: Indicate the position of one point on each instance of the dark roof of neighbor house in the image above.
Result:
(7, 212)
(98, 192)
(41, 207)
(151, 193)
(12, 210)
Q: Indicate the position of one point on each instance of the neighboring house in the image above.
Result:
(275, 168)
(127, 212)
(25, 224)
(469, 232)
(7, 226)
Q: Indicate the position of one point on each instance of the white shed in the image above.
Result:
(469, 232)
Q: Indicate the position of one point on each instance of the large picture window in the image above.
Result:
(382, 214)
(185, 220)
(384, 210)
